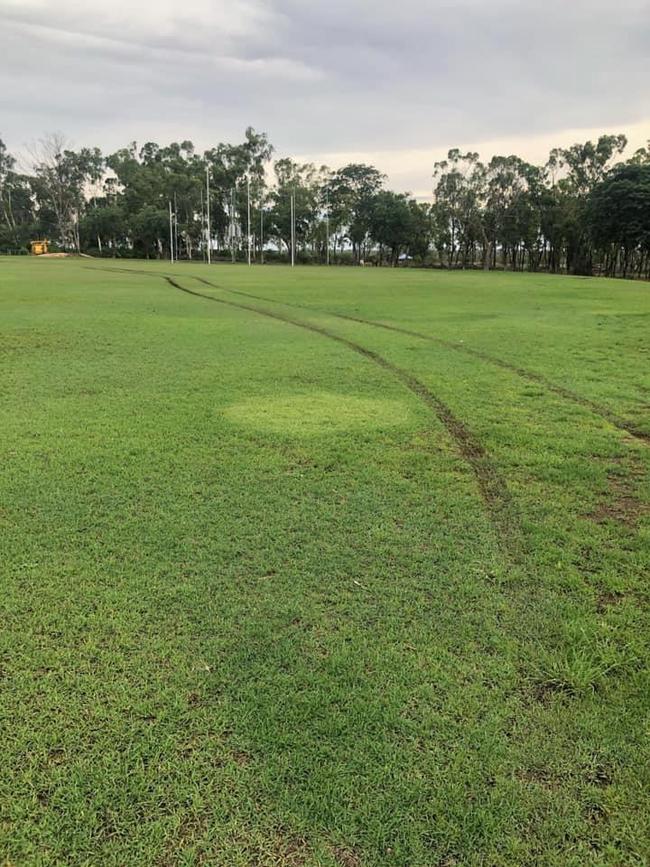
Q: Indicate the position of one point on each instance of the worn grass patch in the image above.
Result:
(317, 413)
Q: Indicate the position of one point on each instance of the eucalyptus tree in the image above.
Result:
(156, 177)
(512, 212)
(61, 176)
(583, 202)
(183, 181)
(398, 225)
(585, 165)
(17, 216)
(140, 192)
(578, 169)
(237, 171)
(7, 165)
(299, 183)
(349, 192)
(421, 234)
(105, 228)
(618, 219)
(459, 194)
(641, 156)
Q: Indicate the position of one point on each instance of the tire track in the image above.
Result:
(594, 406)
(597, 408)
(491, 484)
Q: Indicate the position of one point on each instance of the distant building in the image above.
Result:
(39, 247)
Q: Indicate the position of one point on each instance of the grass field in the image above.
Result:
(323, 567)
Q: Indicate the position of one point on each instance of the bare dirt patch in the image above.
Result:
(621, 504)
(346, 857)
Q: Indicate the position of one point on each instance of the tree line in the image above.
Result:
(585, 211)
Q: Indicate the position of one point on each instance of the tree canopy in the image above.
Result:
(583, 211)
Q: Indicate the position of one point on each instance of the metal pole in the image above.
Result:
(232, 223)
(248, 209)
(262, 234)
(203, 244)
(175, 227)
(171, 234)
(207, 213)
(293, 230)
(327, 227)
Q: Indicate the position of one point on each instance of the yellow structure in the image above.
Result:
(39, 247)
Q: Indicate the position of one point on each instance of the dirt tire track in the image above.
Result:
(598, 409)
(492, 486)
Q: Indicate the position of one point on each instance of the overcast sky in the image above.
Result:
(395, 83)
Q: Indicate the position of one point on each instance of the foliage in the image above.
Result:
(349, 192)
(618, 215)
(298, 187)
(506, 213)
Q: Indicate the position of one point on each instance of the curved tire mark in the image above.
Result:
(491, 484)
(597, 408)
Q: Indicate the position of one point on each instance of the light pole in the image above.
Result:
(207, 212)
(248, 215)
(171, 234)
(232, 223)
(262, 233)
(293, 229)
(327, 228)
(175, 227)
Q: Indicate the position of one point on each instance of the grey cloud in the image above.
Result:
(322, 76)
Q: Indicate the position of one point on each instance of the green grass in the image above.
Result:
(314, 592)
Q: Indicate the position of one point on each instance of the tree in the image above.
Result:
(457, 210)
(348, 193)
(236, 171)
(421, 232)
(391, 223)
(581, 167)
(150, 230)
(16, 204)
(512, 212)
(618, 218)
(303, 183)
(641, 156)
(7, 163)
(583, 209)
(105, 225)
(61, 176)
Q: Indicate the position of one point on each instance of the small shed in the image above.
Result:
(39, 247)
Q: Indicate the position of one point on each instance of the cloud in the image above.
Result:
(364, 76)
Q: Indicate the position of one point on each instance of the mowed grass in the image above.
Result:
(285, 588)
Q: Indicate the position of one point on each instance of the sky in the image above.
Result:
(392, 83)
